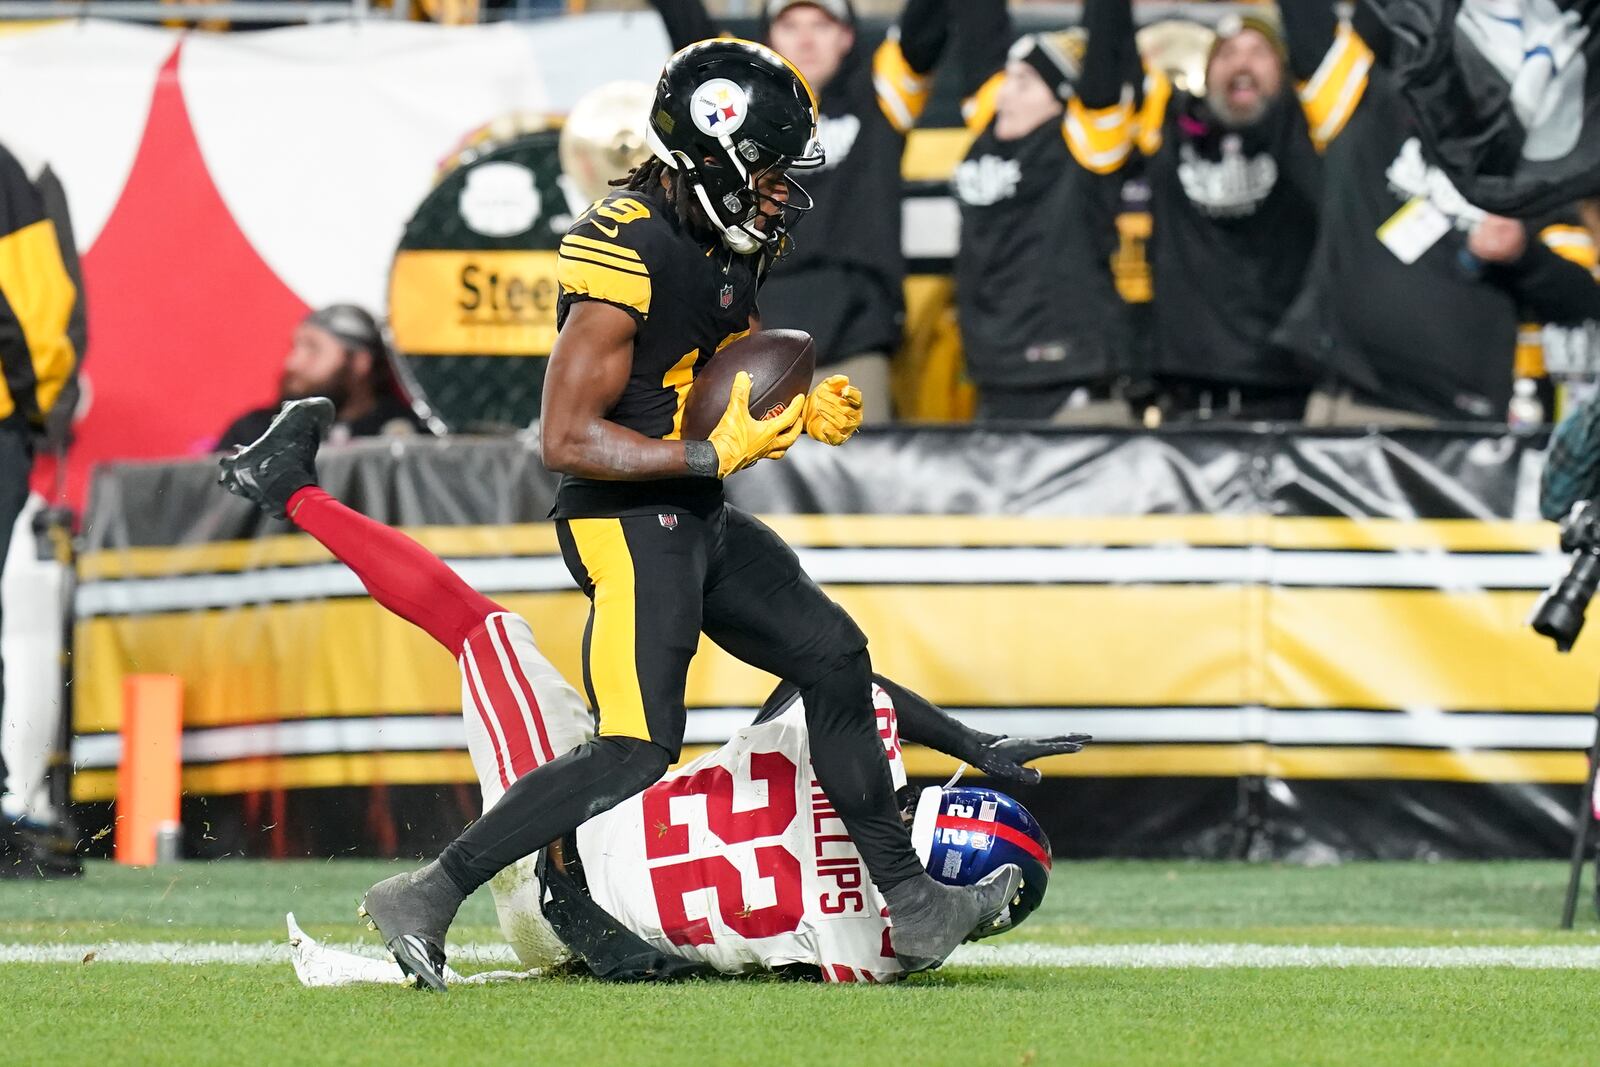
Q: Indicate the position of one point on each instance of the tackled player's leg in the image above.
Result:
(643, 575)
(519, 714)
(413, 911)
(763, 608)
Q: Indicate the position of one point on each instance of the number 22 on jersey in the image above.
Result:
(673, 882)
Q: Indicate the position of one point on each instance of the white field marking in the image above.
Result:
(1020, 955)
(204, 952)
(1212, 956)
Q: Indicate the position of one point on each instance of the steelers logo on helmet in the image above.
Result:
(735, 120)
(719, 107)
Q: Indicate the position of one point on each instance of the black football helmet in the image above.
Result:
(728, 113)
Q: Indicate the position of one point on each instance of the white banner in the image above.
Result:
(320, 139)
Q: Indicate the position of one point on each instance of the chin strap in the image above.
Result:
(735, 237)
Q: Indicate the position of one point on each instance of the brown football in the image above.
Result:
(780, 364)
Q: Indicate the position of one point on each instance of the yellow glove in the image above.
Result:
(833, 411)
(741, 439)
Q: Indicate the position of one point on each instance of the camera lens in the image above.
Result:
(1559, 613)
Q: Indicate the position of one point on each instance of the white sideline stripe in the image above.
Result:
(1422, 727)
(534, 574)
(1187, 956)
(888, 566)
(213, 952)
(1425, 727)
(1021, 955)
(397, 733)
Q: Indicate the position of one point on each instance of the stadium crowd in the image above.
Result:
(1203, 219)
(1198, 220)
(1304, 259)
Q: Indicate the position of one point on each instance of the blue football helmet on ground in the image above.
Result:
(963, 833)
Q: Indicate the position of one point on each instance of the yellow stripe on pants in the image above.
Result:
(613, 668)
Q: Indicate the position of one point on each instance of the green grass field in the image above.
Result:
(1112, 970)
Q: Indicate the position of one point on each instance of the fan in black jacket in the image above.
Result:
(1043, 328)
(1235, 186)
(1413, 298)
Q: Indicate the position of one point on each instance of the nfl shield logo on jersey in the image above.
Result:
(668, 522)
(727, 296)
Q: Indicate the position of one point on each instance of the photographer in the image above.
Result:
(338, 352)
(1567, 494)
(1572, 467)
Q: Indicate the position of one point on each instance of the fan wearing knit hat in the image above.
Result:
(1234, 180)
(1244, 71)
(338, 352)
(1044, 334)
(1040, 71)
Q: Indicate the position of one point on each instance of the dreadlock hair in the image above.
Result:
(646, 177)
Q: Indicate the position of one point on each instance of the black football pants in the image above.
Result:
(655, 582)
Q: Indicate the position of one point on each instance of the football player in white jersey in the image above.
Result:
(734, 862)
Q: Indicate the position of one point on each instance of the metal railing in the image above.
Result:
(236, 12)
(282, 12)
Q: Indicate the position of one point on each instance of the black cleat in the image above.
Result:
(1004, 885)
(929, 918)
(422, 960)
(29, 850)
(412, 913)
(270, 469)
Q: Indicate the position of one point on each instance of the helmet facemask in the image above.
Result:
(733, 191)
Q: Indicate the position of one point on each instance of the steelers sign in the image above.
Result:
(472, 292)
(719, 107)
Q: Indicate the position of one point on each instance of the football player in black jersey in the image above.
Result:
(654, 278)
(844, 282)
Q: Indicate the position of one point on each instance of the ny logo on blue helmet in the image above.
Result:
(963, 833)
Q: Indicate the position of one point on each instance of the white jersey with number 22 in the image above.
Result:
(737, 859)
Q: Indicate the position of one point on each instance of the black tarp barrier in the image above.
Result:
(1289, 644)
